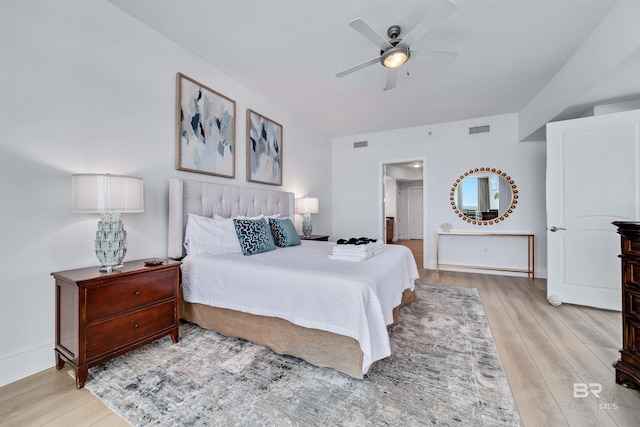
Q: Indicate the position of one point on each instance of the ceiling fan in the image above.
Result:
(396, 51)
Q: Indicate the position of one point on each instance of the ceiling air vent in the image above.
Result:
(360, 144)
(479, 129)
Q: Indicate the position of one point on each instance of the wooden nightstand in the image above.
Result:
(103, 315)
(316, 237)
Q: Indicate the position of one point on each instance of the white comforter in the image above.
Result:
(302, 285)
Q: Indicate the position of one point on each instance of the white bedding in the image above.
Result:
(302, 285)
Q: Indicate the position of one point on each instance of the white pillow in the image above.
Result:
(210, 236)
(224, 218)
(274, 216)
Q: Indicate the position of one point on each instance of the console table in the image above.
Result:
(530, 239)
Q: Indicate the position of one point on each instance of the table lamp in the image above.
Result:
(109, 195)
(307, 206)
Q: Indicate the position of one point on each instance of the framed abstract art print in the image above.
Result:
(264, 149)
(205, 129)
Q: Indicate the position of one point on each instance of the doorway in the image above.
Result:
(403, 200)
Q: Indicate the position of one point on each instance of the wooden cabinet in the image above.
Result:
(389, 227)
(103, 315)
(628, 367)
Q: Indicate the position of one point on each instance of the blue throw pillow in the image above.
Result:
(254, 235)
(284, 232)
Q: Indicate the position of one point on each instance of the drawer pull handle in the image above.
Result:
(137, 293)
(136, 326)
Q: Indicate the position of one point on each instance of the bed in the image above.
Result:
(294, 300)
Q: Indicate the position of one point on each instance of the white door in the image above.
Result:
(593, 174)
(415, 213)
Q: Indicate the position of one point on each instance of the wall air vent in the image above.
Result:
(360, 144)
(479, 129)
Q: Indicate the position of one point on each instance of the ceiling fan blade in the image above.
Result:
(441, 13)
(392, 78)
(434, 56)
(358, 67)
(369, 33)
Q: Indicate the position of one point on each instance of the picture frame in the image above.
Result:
(205, 129)
(264, 149)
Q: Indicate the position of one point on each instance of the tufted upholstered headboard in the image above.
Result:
(209, 199)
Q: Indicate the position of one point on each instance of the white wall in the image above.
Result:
(450, 151)
(87, 88)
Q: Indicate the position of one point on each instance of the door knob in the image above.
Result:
(554, 229)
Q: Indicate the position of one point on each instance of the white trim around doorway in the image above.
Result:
(381, 195)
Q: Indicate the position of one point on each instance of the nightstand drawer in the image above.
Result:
(130, 292)
(121, 331)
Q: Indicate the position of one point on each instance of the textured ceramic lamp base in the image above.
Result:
(306, 226)
(110, 242)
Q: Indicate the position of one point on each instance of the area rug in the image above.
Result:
(444, 371)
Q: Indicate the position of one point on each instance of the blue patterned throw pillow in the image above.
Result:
(254, 235)
(284, 232)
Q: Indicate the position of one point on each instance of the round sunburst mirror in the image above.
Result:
(483, 196)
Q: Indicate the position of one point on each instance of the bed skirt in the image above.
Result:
(320, 348)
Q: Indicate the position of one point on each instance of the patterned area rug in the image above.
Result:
(444, 370)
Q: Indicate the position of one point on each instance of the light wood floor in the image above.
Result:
(544, 350)
(417, 248)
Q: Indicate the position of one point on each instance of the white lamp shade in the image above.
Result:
(97, 193)
(307, 205)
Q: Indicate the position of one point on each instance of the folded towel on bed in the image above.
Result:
(356, 252)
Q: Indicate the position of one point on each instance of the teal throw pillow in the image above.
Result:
(284, 232)
(254, 236)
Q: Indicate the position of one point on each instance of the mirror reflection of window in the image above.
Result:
(484, 195)
(481, 194)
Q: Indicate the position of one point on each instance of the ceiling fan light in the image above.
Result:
(395, 57)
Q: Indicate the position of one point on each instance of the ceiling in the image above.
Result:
(290, 50)
(405, 171)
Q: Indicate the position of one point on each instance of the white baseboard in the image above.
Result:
(25, 362)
